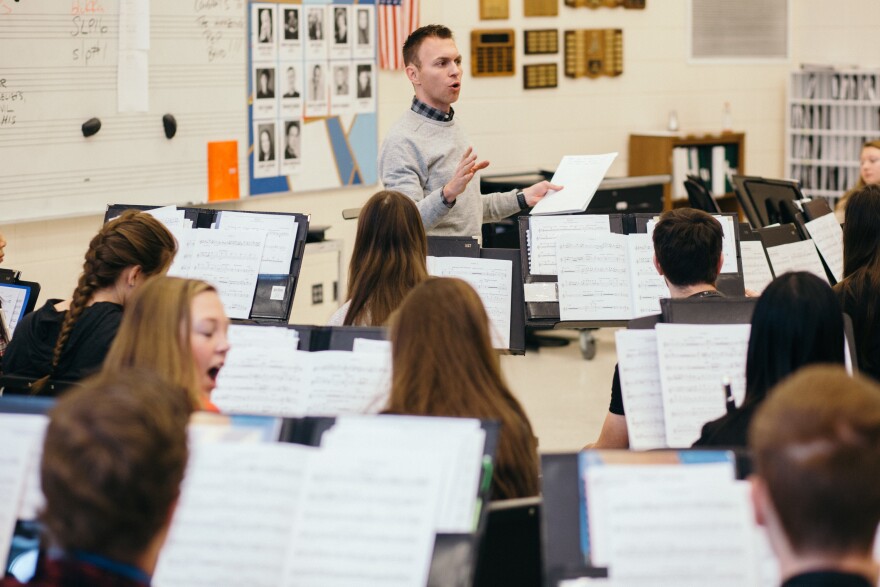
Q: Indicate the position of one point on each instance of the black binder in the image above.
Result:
(264, 307)
(774, 236)
(453, 246)
(816, 209)
(708, 310)
(454, 561)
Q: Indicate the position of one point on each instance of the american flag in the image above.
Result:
(397, 19)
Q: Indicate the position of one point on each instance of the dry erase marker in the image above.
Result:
(728, 395)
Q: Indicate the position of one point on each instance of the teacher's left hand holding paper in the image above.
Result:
(536, 193)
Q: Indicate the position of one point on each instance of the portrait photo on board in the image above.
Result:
(317, 88)
(316, 44)
(265, 29)
(265, 155)
(265, 83)
(364, 87)
(263, 32)
(292, 130)
(365, 37)
(291, 24)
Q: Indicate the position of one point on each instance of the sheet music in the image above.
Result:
(594, 281)
(493, 280)
(367, 345)
(798, 256)
(580, 176)
(264, 379)
(345, 382)
(728, 245)
(693, 360)
(31, 429)
(648, 286)
(454, 446)
(640, 384)
(229, 260)
(248, 334)
(367, 519)
(280, 241)
(235, 516)
(828, 238)
(681, 526)
(544, 231)
(13, 468)
(756, 268)
(12, 301)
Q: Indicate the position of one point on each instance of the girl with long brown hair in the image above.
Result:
(388, 260)
(860, 288)
(178, 329)
(68, 340)
(444, 365)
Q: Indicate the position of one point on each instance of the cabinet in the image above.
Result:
(713, 156)
(831, 114)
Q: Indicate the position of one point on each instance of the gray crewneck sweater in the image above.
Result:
(418, 157)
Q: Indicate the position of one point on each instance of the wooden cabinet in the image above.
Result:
(653, 154)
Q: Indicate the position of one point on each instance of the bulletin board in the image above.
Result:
(130, 65)
(312, 95)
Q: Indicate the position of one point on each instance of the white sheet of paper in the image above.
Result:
(493, 280)
(828, 237)
(640, 385)
(580, 176)
(691, 529)
(264, 379)
(453, 446)
(756, 268)
(693, 360)
(544, 231)
(13, 470)
(31, 429)
(367, 345)
(133, 81)
(648, 286)
(367, 519)
(229, 260)
(12, 301)
(345, 382)
(134, 25)
(799, 256)
(235, 516)
(280, 240)
(728, 245)
(594, 280)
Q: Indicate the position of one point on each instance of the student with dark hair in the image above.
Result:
(860, 288)
(114, 456)
(815, 488)
(797, 322)
(443, 325)
(390, 251)
(68, 340)
(426, 155)
(688, 254)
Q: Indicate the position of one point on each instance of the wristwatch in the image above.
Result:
(521, 199)
(446, 202)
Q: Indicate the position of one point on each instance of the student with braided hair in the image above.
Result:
(68, 339)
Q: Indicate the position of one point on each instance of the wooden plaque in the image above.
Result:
(493, 52)
(541, 42)
(540, 75)
(541, 7)
(494, 9)
(635, 4)
(593, 52)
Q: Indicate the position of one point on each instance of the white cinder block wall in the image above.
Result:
(519, 130)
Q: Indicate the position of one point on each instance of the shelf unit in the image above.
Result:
(652, 154)
(831, 113)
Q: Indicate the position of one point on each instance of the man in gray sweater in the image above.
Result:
(426, 154)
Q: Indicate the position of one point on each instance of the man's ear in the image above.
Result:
(657, 265)
(412, 74)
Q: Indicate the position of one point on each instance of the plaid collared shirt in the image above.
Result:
(420, 107)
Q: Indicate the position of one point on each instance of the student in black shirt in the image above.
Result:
(687, 253)
(68, 339)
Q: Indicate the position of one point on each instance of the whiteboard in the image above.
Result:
(60, 67)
